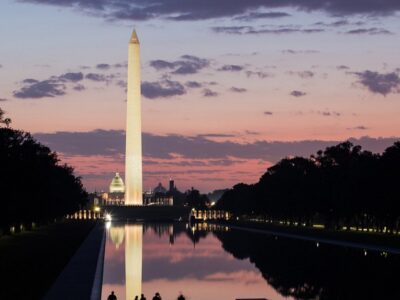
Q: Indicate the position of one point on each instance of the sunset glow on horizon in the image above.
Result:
(227, 89)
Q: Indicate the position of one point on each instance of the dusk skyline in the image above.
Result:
(227, 89)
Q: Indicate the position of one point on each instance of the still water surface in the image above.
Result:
(214, 263)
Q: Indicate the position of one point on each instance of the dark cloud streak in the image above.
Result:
(291, 51)
(74, 77)
(262, 15)
(238, 90)
(40, 89)
(193, 84)
(209, 93)
(57, 85)
(162, 89)
(259, 74)
(112, 143)
(210, 9)
(96, 77)
(378, 83)
(188, 64)
(296, 93)
(370, 31)
(244, 30)
(302, 74)
(103, 66)
(231, 68)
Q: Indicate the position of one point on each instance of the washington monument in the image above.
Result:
(133, 152)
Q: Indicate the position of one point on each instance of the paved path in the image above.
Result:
(82, 277)
(318, 239)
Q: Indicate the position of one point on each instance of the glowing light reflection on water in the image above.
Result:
(173, 259)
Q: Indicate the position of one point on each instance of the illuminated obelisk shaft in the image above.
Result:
(133, 153)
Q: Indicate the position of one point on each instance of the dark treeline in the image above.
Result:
(190, 198)
(193, 198)
(340, 186)
(306, 270)
(34, 186)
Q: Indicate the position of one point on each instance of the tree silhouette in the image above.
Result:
(193, 198)
(6, 121)
(341, 186)
(35, 186)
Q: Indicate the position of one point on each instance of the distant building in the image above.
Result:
(159, 189)
(93, 200)
(116, 195)
(171, 185)
(157, 196)
(117, 185)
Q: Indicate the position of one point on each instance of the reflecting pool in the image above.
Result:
(210, 262)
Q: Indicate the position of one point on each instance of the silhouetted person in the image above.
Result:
(142, 297)
(181, 297)
(157, 296)
(136, 297)
(112, 296)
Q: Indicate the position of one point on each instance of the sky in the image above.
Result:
(228, 87)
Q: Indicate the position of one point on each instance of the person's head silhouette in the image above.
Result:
(112, 296)
(181, 297)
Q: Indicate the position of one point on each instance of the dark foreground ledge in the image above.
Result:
(82, 277)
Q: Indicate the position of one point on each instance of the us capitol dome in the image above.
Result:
(116, 194)
(117, 184)
(158, 196)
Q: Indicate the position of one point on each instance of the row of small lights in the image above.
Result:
(108, 219)
(322, 226)
(21, 227)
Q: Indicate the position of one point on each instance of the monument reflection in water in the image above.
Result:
(131, 236)
(176, 258)
(213, 263)
(133, 260)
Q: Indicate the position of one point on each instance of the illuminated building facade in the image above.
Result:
(158, 196)
(116, 193)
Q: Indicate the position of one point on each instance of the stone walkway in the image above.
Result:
(330, 241)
